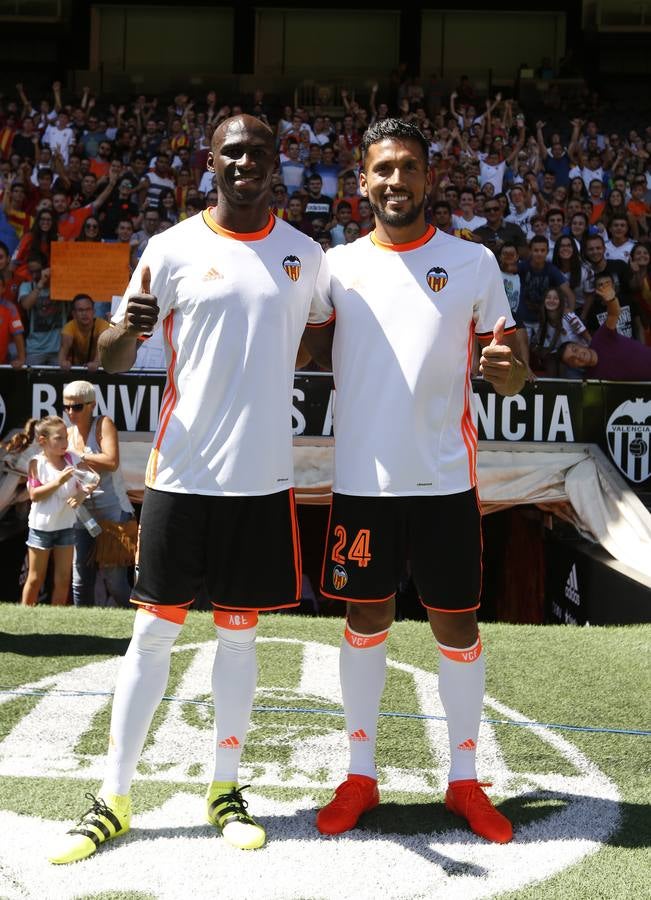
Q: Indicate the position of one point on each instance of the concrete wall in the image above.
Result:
(476, 43)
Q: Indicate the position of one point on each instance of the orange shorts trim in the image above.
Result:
(353, 600)
(436, 609)
(465, 655)
(235, 621)
(175, 614)
(251, 610)
(361, 641)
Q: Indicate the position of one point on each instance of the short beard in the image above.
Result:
(396, 219)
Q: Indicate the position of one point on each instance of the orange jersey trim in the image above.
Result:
(488, 335)
(464, 655)
(168, 404)
(410, 245)
(238, 235)
(362, 641)
(235, 621)
(175, 614)
(322, 324)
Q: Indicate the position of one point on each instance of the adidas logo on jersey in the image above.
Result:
(230, 743)
(359, 735)
(572, 587)
(212, 274)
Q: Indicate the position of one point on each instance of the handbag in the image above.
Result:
(117, 544)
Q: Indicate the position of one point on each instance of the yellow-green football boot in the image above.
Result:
(226, 810)
(106, 819)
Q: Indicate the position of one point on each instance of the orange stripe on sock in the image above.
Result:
(464, 655)
(169, 613)
(236, 620)
(361, 641)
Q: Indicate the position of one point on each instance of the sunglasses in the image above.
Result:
(74, 407)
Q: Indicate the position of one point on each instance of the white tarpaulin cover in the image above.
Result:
(575, 480)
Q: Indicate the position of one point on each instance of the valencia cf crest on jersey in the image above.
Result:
(339, 577)
(437, 278)
(292, 265)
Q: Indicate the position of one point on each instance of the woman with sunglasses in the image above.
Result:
(90, 231)
(94, 440)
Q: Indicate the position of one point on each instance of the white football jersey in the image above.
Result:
(233, 308)
(406, 320)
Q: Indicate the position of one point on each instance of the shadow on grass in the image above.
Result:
(62, 645)
(633, 831)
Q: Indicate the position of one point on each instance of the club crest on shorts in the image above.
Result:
(292, 266)
(629, 438)
(437, 278)
(339, 577)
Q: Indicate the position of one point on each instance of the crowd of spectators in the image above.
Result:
(558, 207)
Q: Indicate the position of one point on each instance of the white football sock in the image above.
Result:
(139, 689)
(234, 677)
(362, 671)
(462, 676)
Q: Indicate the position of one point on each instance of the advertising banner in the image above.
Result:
(614, 415)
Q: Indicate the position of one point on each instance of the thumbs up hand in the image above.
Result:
(498, 332)
(142, 308)
(499, 366)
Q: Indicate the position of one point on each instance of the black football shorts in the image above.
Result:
(371, 539)
(245, 551)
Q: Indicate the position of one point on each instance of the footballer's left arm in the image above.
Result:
(499, 364)
(317, 343)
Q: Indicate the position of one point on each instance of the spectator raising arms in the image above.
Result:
(611, 355)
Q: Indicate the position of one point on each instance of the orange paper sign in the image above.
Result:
(85, 267)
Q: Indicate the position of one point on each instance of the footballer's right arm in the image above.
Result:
(118, 345)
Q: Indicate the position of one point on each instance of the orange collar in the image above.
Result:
(410, 245)
(238, 235)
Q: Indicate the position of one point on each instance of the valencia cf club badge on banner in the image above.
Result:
(629, 438)
(437, 278)
(292, 266)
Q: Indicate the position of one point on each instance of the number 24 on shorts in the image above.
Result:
(360, 549)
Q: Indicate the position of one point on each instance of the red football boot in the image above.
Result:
(355, 796)
(467, 799)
